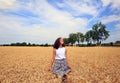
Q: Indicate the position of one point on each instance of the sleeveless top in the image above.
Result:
(60, 53)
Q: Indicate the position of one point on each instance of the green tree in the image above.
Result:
(78, 34)
(117, 42)
(66, 41)
(80, 37)
(89, 36)
(72, 38)
(17, 44)
(99, 33)
(24, 44)
(29, 44)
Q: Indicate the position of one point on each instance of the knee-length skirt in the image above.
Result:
(60, 67)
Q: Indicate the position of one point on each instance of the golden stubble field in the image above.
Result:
(31, 65)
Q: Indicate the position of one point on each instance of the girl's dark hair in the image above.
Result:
(57, 43)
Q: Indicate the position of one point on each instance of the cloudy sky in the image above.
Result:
(42, 21)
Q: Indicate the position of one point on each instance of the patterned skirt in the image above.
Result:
(60, 67)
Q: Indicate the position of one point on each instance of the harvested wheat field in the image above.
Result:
(31, 65)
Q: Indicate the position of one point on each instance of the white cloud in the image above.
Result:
(118, 26)
(106, 2)
(54, 23)
(111, 18)
(82, 7)
(6, 4)
(115, 33)
(115, 4)
(115, 7)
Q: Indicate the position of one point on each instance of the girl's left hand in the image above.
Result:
(69, 67)
(49, 69)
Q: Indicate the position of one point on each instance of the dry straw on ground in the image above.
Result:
(31, 65)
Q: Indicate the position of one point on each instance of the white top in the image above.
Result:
(60, 53)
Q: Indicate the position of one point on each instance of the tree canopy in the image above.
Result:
(96, 35)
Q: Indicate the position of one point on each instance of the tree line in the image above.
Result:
(117, 43)
(26, 44)
(95, 36)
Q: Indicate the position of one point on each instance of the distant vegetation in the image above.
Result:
(117, 43)
(25, 44)
(93, 37)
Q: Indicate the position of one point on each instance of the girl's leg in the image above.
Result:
(64, 78)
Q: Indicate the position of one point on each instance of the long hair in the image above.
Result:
(57, 43)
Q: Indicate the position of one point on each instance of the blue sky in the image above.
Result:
(42, 21)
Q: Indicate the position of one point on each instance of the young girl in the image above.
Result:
(59, 65)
